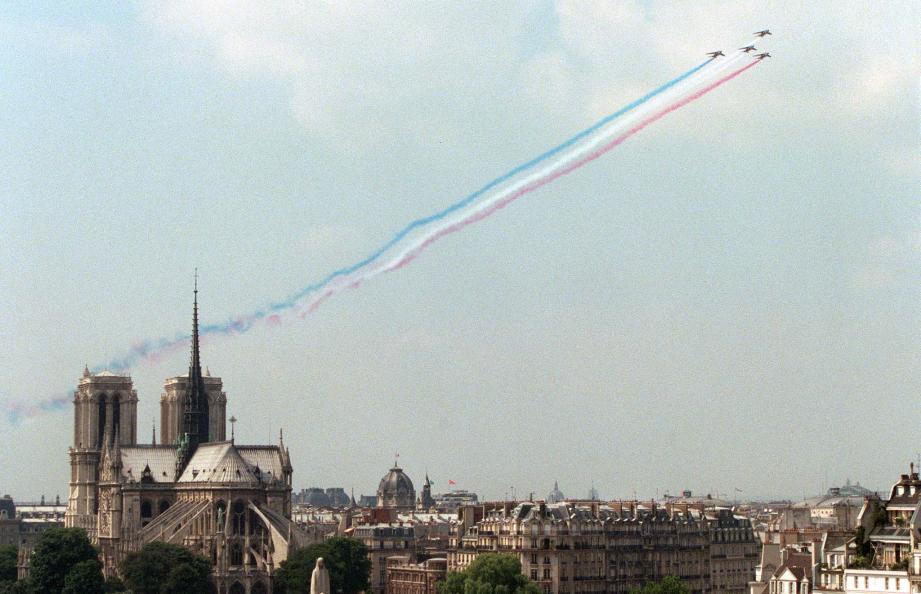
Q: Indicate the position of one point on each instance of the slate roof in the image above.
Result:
(161, 459)
(218, 462)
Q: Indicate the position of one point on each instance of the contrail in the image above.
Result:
(506, 200)
(575, 152)
(320, 290)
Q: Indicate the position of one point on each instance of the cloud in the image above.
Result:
(366, 72)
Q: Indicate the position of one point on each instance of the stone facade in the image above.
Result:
(734, 552)
(384, 541)
(589, 548)
(405, 577)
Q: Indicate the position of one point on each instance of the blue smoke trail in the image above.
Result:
(243, 324)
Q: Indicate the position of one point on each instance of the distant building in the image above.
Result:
(406, 577)
(590, 548)
(734, 552)
(555, 496)
(22, 525)
(396, 490)
(318, 497)
(892, 529)
(384, 541)
(593, 493)
(426, 501)
(794, 576)
(451, 501)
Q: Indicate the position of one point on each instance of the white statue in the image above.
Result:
(319, 579)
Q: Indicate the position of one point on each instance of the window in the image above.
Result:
(534, 574)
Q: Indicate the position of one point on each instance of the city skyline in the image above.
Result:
(727, 303)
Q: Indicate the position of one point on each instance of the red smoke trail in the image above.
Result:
(479, 216)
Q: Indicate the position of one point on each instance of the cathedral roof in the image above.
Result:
(160, 459)
(266, 458)
(218, 462)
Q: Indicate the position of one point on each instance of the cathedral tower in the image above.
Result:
(105, 412)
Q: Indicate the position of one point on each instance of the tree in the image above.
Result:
(8, 555)
(57, 551)
(490, 573)
(161, 568)
(667, 585)
(346, 560)
(84, 578)
(114, 584)
(20, 587)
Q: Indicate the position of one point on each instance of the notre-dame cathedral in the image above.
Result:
(228, 502)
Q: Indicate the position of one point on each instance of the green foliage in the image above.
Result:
(489, 573)
(8, 555)
(57, 552)
(114, 585)
(865, 550)
(667, 585)
(20, 587)
(161, 568)
(900, 566)
(84, 578)
(346, 560)
(861, 562)
(880, 517)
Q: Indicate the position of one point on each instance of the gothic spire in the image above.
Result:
(195, 363)
(195, 417)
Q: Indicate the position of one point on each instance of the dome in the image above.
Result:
(555, 495)
(396, 490)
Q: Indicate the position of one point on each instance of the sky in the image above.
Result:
(729, 302)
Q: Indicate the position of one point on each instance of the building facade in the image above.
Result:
(589, 548)
(406, 577)
(384, 541)
(734, 552)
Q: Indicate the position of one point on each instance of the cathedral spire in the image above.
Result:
(195, 416)
(195, 363)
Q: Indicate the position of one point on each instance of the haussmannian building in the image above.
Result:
(590, 547)
(734, 552)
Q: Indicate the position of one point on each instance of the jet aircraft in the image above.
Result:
(762, 56)
(716, 54)
(748, 48)
(763, 33)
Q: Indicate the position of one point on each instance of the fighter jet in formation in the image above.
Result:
(762, 56)
(747, 48)
(763, 33)
(716, 54)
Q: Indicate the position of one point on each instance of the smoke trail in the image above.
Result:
(576, 149)
(152, 350)
(505, 201)
(146, 349)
